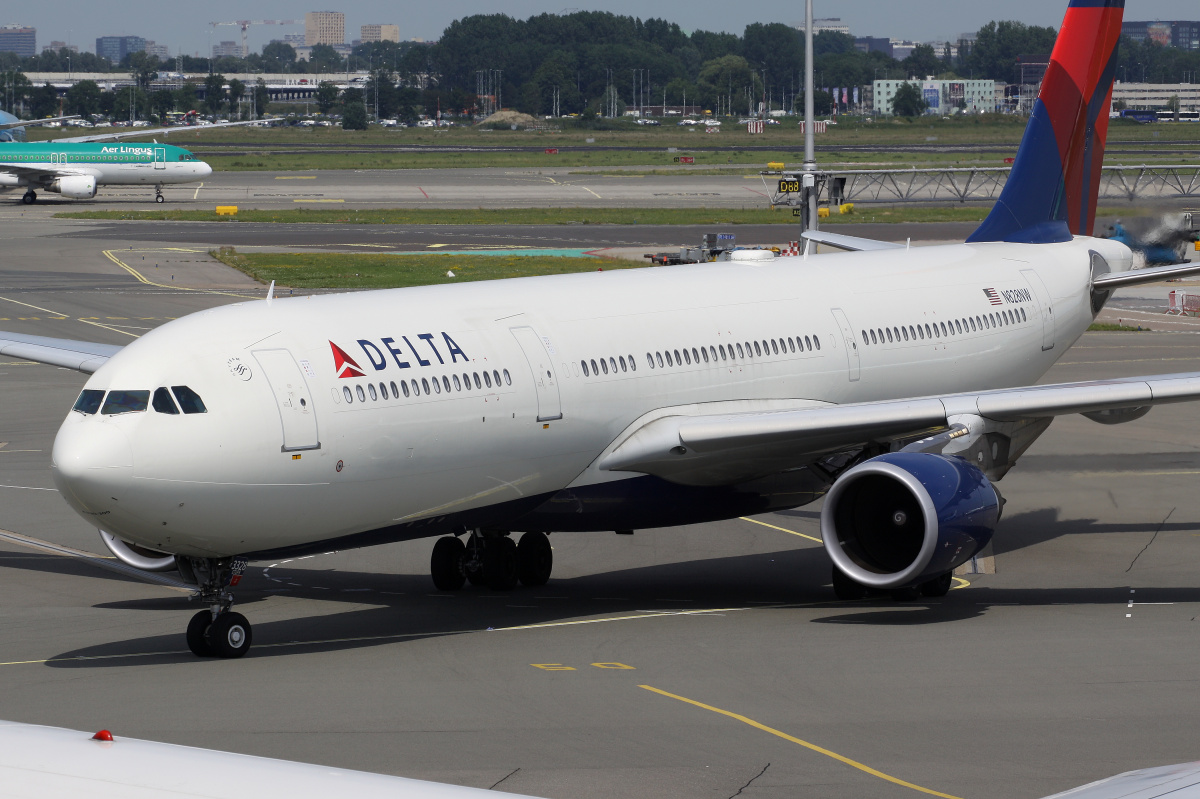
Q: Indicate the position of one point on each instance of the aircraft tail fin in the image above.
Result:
(1055, 180)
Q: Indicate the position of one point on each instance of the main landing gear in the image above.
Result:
(158, 195)
(847, 589)
(217, 631)
(492, 559)
(29, 197)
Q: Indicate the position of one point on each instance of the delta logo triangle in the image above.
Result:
(343, 363)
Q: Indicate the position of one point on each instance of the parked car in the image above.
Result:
(644, 121)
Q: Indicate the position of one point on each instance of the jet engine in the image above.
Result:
(136, 556)
(78, 187)
(904, 518)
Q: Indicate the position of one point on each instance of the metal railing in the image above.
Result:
(976, 184)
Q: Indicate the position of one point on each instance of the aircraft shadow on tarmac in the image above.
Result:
(394, 608)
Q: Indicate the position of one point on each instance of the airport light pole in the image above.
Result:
(810, 157)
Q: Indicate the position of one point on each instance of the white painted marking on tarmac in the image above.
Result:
(29, 488)
(197, 192)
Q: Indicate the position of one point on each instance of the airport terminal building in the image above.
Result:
(942, 96)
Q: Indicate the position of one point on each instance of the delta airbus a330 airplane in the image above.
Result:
(894, 382)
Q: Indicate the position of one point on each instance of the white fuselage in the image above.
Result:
(282, 459)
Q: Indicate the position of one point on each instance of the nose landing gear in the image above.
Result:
(492, 559)
(158, 195)
(217, 631)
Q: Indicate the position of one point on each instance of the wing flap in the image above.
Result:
(82, 356)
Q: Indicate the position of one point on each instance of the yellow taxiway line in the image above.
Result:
(807, 745)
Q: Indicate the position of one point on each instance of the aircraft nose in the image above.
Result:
(92, 464)
(203, 169)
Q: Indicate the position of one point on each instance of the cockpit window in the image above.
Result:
(89, 401)
(189, 401)
(163, 402)
(125, 402)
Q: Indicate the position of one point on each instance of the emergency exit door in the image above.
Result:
(853, 359)
(545, 380)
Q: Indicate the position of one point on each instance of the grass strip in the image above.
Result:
(374, 271)
(543, 216)
(1111, 328)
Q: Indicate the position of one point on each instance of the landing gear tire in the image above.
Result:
(158, 198)
(229, 635)
(938, 586)
(845, 588)
(29, 198)
(446, 564)
(197, 635)
(500, 564)
(535, 559)
(473, 560)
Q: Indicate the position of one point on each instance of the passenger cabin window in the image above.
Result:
(125, 402)
(163, 402)
(89, 401)
(189, 401)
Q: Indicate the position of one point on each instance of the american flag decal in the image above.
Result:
(993, 297)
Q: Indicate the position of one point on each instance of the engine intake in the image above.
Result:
(907, 517)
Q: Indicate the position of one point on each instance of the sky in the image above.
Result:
(185, 25)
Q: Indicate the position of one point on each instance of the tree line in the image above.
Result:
(591, 62)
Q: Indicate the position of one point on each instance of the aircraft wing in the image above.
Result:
(38, 761)
(852, 243)
(1181, 781)
(42, 174)
(128, 134)
(722, 449)
(30, 123)
(82, 356)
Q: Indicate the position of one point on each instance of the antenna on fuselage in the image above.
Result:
(270, 292)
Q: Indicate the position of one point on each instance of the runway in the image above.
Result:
(435, 188)
(684, 662)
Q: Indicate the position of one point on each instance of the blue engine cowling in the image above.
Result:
(906, 517)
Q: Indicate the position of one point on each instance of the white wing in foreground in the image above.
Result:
(82, 356)
(1181, 781)
(51, 761)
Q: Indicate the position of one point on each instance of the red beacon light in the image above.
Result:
(103, 735)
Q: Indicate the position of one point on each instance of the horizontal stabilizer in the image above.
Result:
(1136, 277)
(82, 356)
(852, 243)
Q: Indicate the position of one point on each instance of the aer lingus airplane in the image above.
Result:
(77, 166)
(895, 382)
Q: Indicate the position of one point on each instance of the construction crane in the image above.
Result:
(245, 24)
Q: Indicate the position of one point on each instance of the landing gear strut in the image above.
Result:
(158, 195)
(217, 631)
(492, 559)
(29, 198)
